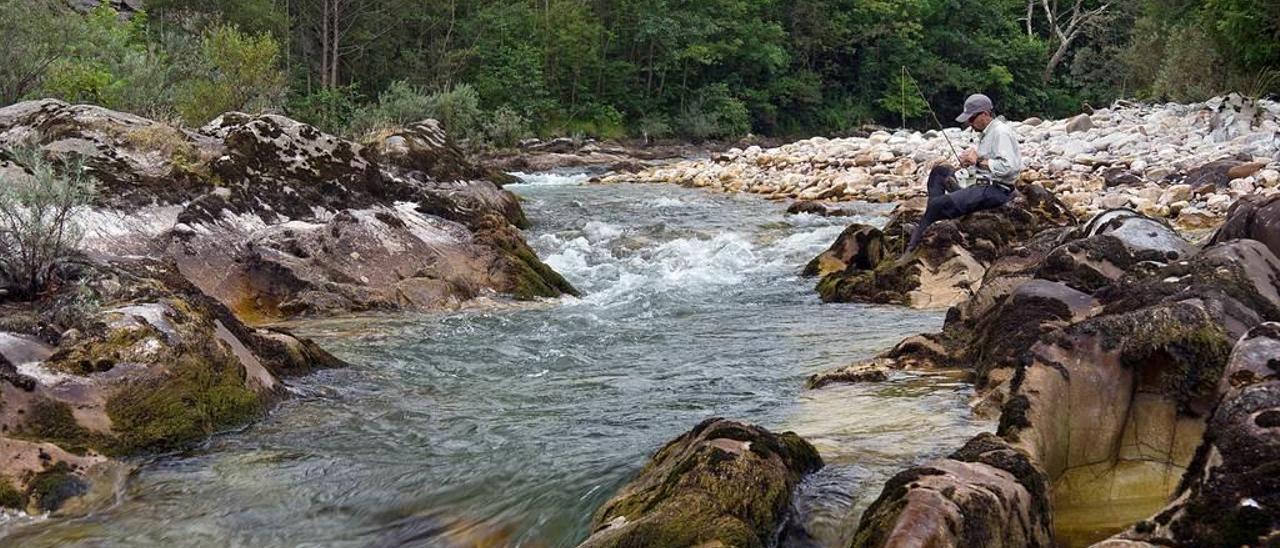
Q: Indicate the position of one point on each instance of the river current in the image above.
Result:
(510, 424)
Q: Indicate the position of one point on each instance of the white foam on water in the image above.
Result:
(604, 260)
(552, 178)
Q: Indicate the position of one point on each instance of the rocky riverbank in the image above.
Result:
(146, 344)
(1132, 371)
(1184, 163)
(1128, 366)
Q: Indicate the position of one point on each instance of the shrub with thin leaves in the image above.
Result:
(38, 233)
(505, 127)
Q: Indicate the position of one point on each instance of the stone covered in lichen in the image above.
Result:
(723, 483)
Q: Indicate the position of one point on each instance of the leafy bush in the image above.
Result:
(332, 110)
(1192, 69)
(37, 230)
(653, 126)
(458, 110)
(238, 72)
(505, 127)
(714, 114)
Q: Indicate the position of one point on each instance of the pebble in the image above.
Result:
(1160, 142)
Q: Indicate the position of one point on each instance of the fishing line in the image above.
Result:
(937, 121)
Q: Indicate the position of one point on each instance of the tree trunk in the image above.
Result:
(1057, 57)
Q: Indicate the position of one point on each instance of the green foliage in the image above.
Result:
(1249, 30)
(505, 127)
(38, 232)
(332, 110)
(903, 96)
(714, 69)
(1191, 69)
(238, 72)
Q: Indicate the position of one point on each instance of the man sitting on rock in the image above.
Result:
(996, 163)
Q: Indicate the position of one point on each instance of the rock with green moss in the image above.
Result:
(722, 484)
(152, 365)
(278, 219)
(988, 493)
(1230, 495)
(950, 263)
(1110, 388)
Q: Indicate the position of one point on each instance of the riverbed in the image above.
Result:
(512, 423)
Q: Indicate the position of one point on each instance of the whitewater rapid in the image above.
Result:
(513, 423)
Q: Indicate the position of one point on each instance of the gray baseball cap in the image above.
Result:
(975, 104)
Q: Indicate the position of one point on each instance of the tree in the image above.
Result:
(239, 72)
(1065, 26)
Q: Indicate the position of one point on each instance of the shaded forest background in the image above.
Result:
(496, 71)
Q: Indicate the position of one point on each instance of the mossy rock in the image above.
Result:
(197, 397)
(723, 482)
(49, 420)
(49, 489)
(10, 496)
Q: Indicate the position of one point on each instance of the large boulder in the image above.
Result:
(1230, 496)
(987, 493)
(951, 261)
(1109, 351)
(1254, 217)
(722, 484)
(276, 218)
(132, 360)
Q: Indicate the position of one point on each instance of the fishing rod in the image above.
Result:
(907, 74)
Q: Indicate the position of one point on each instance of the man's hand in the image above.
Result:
(969, 157)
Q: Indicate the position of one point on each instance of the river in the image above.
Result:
(510, 424)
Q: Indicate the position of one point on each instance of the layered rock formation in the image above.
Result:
(277, 219)
(1106, 349)
(721, 484)
(1185, 163)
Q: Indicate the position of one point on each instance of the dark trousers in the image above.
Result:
(947, 201)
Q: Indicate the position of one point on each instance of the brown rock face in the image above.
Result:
(722, 484)
(1230, 496)
(859, 247)
(156, 365)
(950, 263)
(986, 494)
(1253, 217)
(1109, 349)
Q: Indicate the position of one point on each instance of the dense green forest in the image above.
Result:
(498, 70)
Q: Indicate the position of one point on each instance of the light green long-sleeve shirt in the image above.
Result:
(999, 147)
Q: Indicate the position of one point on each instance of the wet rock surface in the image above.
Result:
(1230, 496)
(866, 264)
(987, 493)
(1110, 352)
(723, 483)
(132, 360)
(277, 219)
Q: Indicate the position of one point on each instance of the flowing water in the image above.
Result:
(512, 424)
